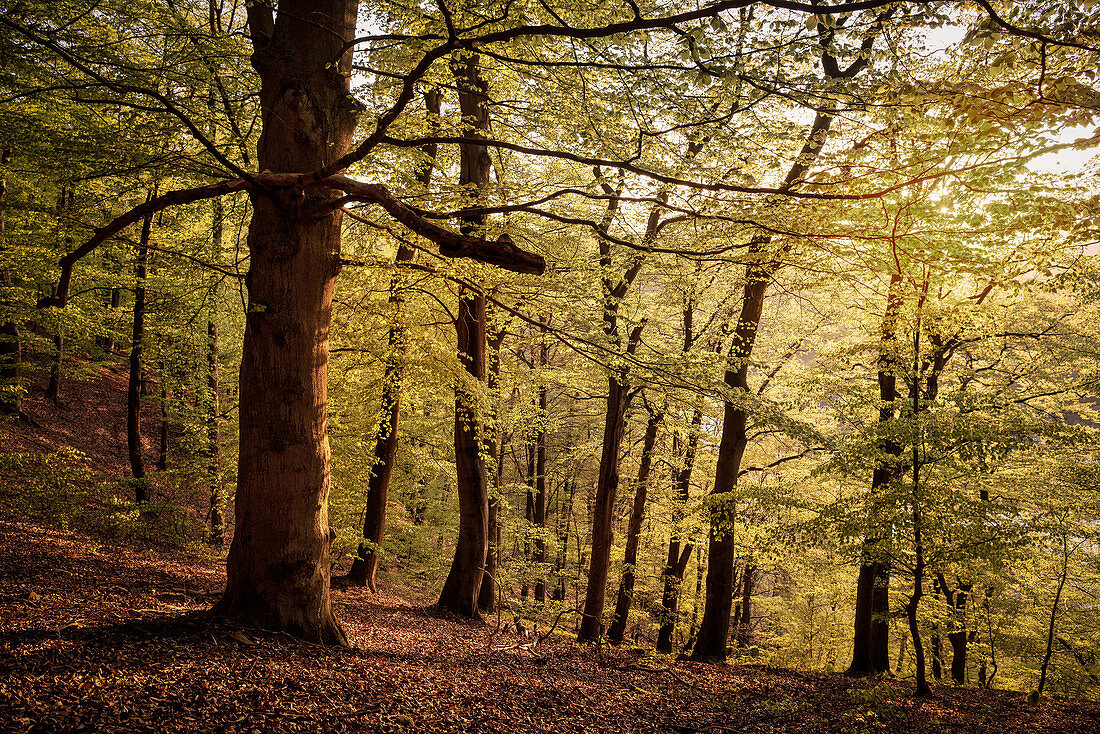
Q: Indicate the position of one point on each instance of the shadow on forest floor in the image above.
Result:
(99, 636)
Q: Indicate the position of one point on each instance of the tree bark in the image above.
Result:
(871, 639)
(677, 560)
(460, 591)
(365, 566)
(133, 387)
(487, 596)
(11, 347)
(625, 596)
(215, 519)
(278, 567)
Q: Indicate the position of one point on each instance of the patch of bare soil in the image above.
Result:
(96, 636)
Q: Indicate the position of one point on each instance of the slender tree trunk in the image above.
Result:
(278, 567)
(53, 389)
(133, 388)
(460, 592)
(215, 519)
(913, 605)
(744, 623)
(625, 597)
(1054, 614)
(365, 566)
(539, 509)
(677, 561)
(487, 596)
(11, 347)
(165, 396)
(870, 647)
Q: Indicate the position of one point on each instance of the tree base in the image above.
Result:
(317, 625)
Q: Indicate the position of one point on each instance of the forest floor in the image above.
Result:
(101, 635)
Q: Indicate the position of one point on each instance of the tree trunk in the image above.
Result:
(871, 640)
(11, 348)
(539, 509)
(460, 592)
(364, 567)
(677, 561)
(714, 627)
(133, 387)
(744, 623)
(165, 396)
(607, 484)
(625, 597)
(53, 389)
(487, 597)
(278, 567)
(215, 519)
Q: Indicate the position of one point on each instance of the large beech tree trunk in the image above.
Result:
(278, 570)
(365, 566)
(625, 597)
(870, 646)
(460, 591)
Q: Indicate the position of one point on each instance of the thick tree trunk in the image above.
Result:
(365, 566)
(133, 387)
(279, 568)
(870, 642)
(714, 628)
(625, 597)
(460, 591)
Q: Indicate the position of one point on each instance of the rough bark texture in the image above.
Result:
(460, 591)
(278, 567)
(870, 642)
(365, 566)
(625, 596)
(133, 387)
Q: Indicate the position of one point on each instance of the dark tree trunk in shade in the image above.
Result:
(538, 515)
(53, 389)
(714, 628)
(870, 646)
(215, 521)
(678, 553)
(460, 591)
(133, 387)
(278, 571)
(11, 347)
(625, 596)
(364, 568)
(743, 635)
(165, 397)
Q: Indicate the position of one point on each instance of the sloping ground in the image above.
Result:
(96, 636)
(90, 419)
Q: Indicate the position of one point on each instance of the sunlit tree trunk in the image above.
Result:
(278, 571)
